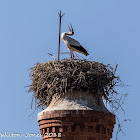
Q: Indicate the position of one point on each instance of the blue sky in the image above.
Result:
(108, 29)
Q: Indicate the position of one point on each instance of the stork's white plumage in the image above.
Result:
(72, 44)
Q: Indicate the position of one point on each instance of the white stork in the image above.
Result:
(72, 44)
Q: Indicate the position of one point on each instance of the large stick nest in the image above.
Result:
(56, 77)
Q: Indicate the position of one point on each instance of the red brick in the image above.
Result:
(62, 115)
(69, 128)
(90, 129)
(49, 125)
(81, 111)
(43, 131)
(82, 128)
(77, 129)
(49, 139)
(79, 119)
(48, 121)
(94, 119)
(57, 139)
(69, 137)
(63, 112)
(46, 117)
(65, 128)
(66, 123)
(60, 129)
(78, 125)
(80, 138)
(63, 119)
(49, 112)
(73, 111)
(57, 111)
(53, 129)
(81, 115)
(74, 115)
(91, 138)
(71, 119)
(68, 115)
(54, 115)
(47, 130)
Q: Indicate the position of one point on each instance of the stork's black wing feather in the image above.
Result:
(80, 49)
(76, 46)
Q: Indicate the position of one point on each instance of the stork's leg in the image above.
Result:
(71, 54)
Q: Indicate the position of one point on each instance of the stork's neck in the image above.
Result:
(64, 35)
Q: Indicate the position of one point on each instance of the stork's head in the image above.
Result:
(71, 31)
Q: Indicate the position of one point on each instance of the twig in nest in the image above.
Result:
(52, 56)
(120, 127)
(59, 77)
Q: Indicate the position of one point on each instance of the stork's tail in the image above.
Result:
(84, 51)
(80, 49)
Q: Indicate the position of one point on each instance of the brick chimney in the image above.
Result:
(76, 115)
